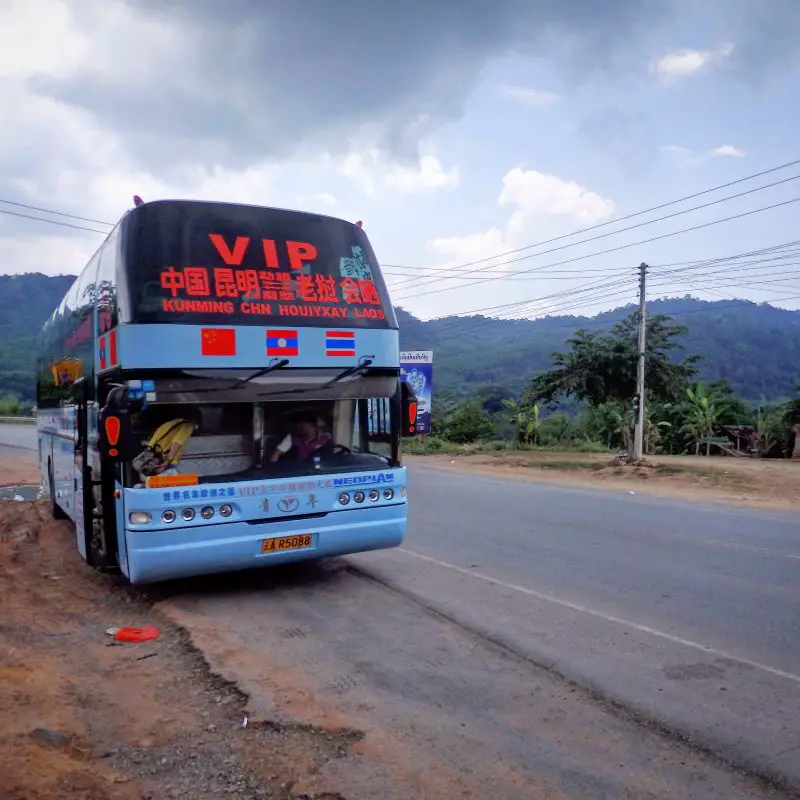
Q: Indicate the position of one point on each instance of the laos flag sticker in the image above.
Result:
(282, 343)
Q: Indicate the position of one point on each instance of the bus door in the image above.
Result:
(82, 485)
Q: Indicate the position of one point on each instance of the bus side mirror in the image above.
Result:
(114, 425)
(409, 408)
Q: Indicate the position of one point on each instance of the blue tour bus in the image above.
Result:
(220, 389)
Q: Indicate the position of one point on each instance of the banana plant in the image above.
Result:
(526, 417)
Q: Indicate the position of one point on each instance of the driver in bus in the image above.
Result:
(305, 439)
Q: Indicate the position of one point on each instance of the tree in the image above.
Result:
(791, 414)
(702, 418)
(770, 431)
(607, 422)
(601, 367)
(526, 418)
(493, 397)
(466, 423)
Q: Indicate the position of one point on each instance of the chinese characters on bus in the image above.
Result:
(270, 289)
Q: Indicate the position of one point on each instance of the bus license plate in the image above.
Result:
(280, 543)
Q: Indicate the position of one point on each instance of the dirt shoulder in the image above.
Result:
(86, 718)
(751, 483)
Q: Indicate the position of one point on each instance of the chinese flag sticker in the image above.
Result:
(218, 342)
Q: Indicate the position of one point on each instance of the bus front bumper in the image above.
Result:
(161, 555)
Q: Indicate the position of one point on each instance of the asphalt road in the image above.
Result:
(19, 436)
(530, 641)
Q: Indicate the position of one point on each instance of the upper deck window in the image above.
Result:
(197, 263)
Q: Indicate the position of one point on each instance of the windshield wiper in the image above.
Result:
(363, 363)
(276, 363)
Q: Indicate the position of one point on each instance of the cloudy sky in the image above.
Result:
(460, 131)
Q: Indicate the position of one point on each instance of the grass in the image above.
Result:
(570, 461)
(435, 445)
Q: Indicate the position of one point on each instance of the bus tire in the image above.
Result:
(96, 554)
(55, 509)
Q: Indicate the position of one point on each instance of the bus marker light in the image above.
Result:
(226, 510)
(188, 514)
(113, 427)
(207, 512)
(162, 481)
(388, 494)
(140, 517)
(344, 498)
(359, 497)
(374, 495)
(168, 516)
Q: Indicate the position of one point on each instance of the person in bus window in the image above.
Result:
(305, 439)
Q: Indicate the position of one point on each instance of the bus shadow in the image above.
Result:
(311, 575)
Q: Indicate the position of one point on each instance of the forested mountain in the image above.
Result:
(26, 301)
(756, 348)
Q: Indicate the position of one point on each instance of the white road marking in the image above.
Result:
(605, 617)
(751, 548)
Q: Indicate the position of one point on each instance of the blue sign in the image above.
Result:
(416, 369)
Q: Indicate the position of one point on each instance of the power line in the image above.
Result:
(605, 285)
(56, 213)
(627, 217)
(52, 222)
(600, 290)
(631, 244)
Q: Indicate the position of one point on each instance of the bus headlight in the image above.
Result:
(188, 514)
(374, 495)
(226, 510)
(140, 517)
(207, 512)
(388, 494)
(344, 498)
(359, 497)
(168, 516)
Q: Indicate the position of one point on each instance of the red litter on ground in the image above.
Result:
(137, 634)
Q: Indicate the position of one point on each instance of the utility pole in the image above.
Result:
(638, 434)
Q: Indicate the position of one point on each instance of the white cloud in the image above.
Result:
(428, 175)
(690, 158)
(683, 63)
(530, 97)
(37, 37)
(543, 206)
(465, 249)
(368, 168)
(728, 150)
(536, 194)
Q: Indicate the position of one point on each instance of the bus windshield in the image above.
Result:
(235, 435)
(246, 265)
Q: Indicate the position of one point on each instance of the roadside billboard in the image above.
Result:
(416, 368)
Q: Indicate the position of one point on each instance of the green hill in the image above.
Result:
(25, 303)
(756, 348)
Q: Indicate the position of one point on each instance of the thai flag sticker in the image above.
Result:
(282, 343)
(340, 344)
